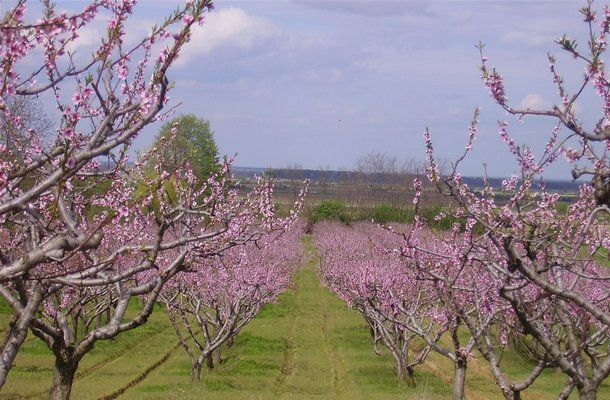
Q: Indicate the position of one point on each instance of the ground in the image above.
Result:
(308, 345)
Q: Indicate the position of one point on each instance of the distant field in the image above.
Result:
(307, 346)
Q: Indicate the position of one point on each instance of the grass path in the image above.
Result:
(308, 345)
(314, 368)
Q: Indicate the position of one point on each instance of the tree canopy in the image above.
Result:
(188, 139)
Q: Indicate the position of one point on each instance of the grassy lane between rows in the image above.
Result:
(308, 345)
(311, 346)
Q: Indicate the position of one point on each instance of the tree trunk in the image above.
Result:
(196, 372)
(214, 359)
(587, 393)
(14, 338)
(411, 375)
(62, 379)
(404, 373)
(17, 332)
(459, 378)
(209, 361)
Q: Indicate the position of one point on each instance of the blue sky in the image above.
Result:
(321, 83)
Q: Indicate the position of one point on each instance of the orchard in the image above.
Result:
(242, 288)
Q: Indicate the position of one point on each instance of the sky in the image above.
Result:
(322, 83)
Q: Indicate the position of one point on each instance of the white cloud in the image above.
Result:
(534, 101)
(528, 38)
(87, 36)
(229, 27)
(537, 102)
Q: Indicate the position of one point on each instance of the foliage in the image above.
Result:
(332, 210)
(436, 216)
(188, 139)
(384, 213)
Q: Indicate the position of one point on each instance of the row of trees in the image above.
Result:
(209, 307)
(416, 308)
(409, 314)
(89, 239)
(513, 271)
(84, 232)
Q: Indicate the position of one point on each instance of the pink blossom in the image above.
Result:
(187, 19)
(123, 211)
(122, 70)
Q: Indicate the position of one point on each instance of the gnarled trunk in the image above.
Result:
(403, 372)
(459, 378)
(14, 338)
(587, 392)
(216, 357)
(196, 372)
(17, 332)
(411, 375)
(63, 378)
(213, 359)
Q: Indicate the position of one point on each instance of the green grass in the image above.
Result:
(308, 345)
(111, 363)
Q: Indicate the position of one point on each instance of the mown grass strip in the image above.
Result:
(143, 375)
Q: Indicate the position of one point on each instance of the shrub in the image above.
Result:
(333, 210)
(384, 213)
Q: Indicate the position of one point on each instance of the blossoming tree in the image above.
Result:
(83, 230)
(414, 305)
(209, 305)
(103, 102)
(547, 266)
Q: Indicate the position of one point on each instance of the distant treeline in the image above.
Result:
(380, 177)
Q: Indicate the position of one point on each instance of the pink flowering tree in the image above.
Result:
(546, 266)
(84, 231)
(375, 284)
(414, 305)
(456, 264)
(209, 305)
(590, 142)
(165, 227)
